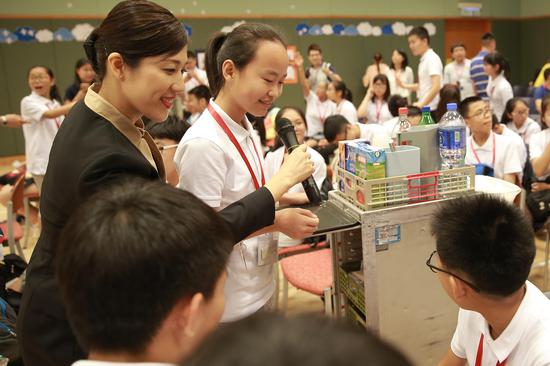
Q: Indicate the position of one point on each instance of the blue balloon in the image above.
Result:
(315, 30)
(63, 34)
(7, 37)
(338, 29)
(25, 34)
(302, 29)
(387, 30)
(350, 30)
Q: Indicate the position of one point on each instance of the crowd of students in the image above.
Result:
(107, 210)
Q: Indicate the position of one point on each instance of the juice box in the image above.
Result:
(370, 162)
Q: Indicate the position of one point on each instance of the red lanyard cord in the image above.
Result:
(479, 356)
(477, 157)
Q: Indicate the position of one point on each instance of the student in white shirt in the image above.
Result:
(516, 117)
(220, 161)
(517, 141)
(196, 102)
(44, 114)
(539, 149)
(339, 129)
(318, 105)
(193, 76)
(400, 69)
(484, 253)
(499, 89)
(374, 106)
(319, 70)
(158, 255)
(394, 103)
(274, 160)
(485, 149)
(341, 95)
(430, 69)
(458, 71)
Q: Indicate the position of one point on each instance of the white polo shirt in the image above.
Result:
(499, 91)
(518, 144)
(507, 160)
(430, 65)
(528, 129)
(347, 109)
(191, 83)
(40, 132)
(459, 73)
(369, 131)
(525, 341)
(537, 145)
(317, 112)
(378, 112)
(389, 127)
(210, 167)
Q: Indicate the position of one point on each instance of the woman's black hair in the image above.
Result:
(449, 93)
(383, 78)
(81, 62)
(405, 62)
(172, 129)
(239, 46)
(54, 92)
(136, 29)
(279, 115)
(510, 106)
(340, 86)
(497, 59)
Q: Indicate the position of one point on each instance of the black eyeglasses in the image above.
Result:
(436, 269)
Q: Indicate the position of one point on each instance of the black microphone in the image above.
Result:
(286, 132)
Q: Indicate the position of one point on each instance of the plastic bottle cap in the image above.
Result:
(426, 109)
(403, 110)
(451, 106)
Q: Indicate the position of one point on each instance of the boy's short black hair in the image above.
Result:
(464, 105)
(172, 129)
(486, 37)
(130, 253)
(421, 33)
(457, 45)
(487, 239)
(191, 54)
(270, 339)
(395, 102)
(314, 47)
(201, 92)
(334, 125)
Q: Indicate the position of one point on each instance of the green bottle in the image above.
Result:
(426, 117)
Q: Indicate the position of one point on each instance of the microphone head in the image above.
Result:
(282, 124)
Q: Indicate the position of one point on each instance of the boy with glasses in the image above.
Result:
(485, 249)
(492, 154)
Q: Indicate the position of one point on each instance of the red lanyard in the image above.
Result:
(477, 157)
(479, 355)
(231, 137)
(378, 111)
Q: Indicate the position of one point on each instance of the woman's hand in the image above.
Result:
(296, 223)
(539, 186)
(295, 169)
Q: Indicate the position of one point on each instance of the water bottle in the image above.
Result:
(403, 124)
(452, 138)
(426, 117)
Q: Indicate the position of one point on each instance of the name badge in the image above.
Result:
(267, 250)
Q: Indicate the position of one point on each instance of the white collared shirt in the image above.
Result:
(40, 132)
(191, 83)
(518, 144)
(499, 91)
(370, 131)
(507, 160)
(378, 112)
(430, 65)
(406, 76)
(317, 112)
(525, 341)
(528, 129)
(537, 145)
(107, 363)
(210, 167)
(347, 109)
(459, 73)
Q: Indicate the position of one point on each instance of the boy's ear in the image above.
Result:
(187, 315)
(458, 288)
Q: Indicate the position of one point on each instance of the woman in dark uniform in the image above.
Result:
(138, 52)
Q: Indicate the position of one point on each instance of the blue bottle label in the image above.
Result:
(452, 138)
